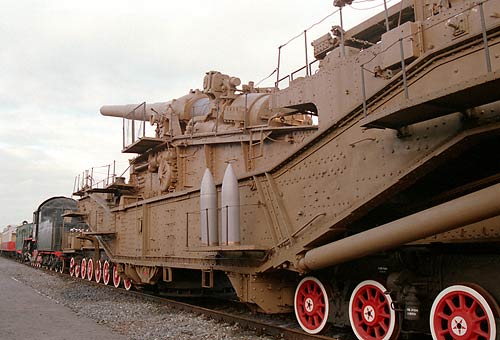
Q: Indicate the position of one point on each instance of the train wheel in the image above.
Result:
(77, 269)
(83, 268)
(116, 278)
(311, 305)
(62, 265)
(98, 271)
(72, 266)
(370, 312)
(463, 312)
(127, 283)
(105, 273)
(90, 269)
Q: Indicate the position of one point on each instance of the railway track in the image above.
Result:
(262, 327)
(254, 325)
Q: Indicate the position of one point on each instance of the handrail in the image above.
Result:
(94, 178)
(421, 31)
(130, 116)
(297, 71)
(280, 80)
(303, 33)
(309, 72)
(290, 76)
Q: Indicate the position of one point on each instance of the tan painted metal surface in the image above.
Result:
(312, 157)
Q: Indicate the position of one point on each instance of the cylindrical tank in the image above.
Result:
(254, 105)
(208, 210)
(230, 208)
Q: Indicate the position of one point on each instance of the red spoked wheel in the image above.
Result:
(116, 278)
(370, 312)
(90, 269)
(98, 271)
(105, 273)
(311, 305)
(72, 266)
(83, 268)
(465, 313)
(127, 283)
(77, 269)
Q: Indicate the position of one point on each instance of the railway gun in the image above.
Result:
(363, 195)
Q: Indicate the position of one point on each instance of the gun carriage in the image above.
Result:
(362, 194)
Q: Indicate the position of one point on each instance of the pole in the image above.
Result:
(403, 68)
(307, 61)
(342, 45)
(386, 16)
(485, 38)
(278, 68)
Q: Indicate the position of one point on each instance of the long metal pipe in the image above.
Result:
(134, 111)
(459, 212)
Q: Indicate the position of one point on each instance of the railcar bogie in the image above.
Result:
(405, 294)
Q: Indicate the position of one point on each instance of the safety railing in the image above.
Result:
(404, 71)
(131, 132)
(95, 177)
(307, 67)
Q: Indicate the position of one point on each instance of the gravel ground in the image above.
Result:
(129, 316)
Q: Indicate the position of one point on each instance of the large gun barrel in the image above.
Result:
(135, 111)
(468, 209)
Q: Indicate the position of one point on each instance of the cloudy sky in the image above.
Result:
(60, 61)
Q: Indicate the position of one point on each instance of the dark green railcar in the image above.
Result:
(24, 241)
(48, 221)
(49, 227)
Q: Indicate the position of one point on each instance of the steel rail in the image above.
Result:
(256, 326)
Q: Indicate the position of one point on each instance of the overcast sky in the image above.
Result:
(60, 61)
